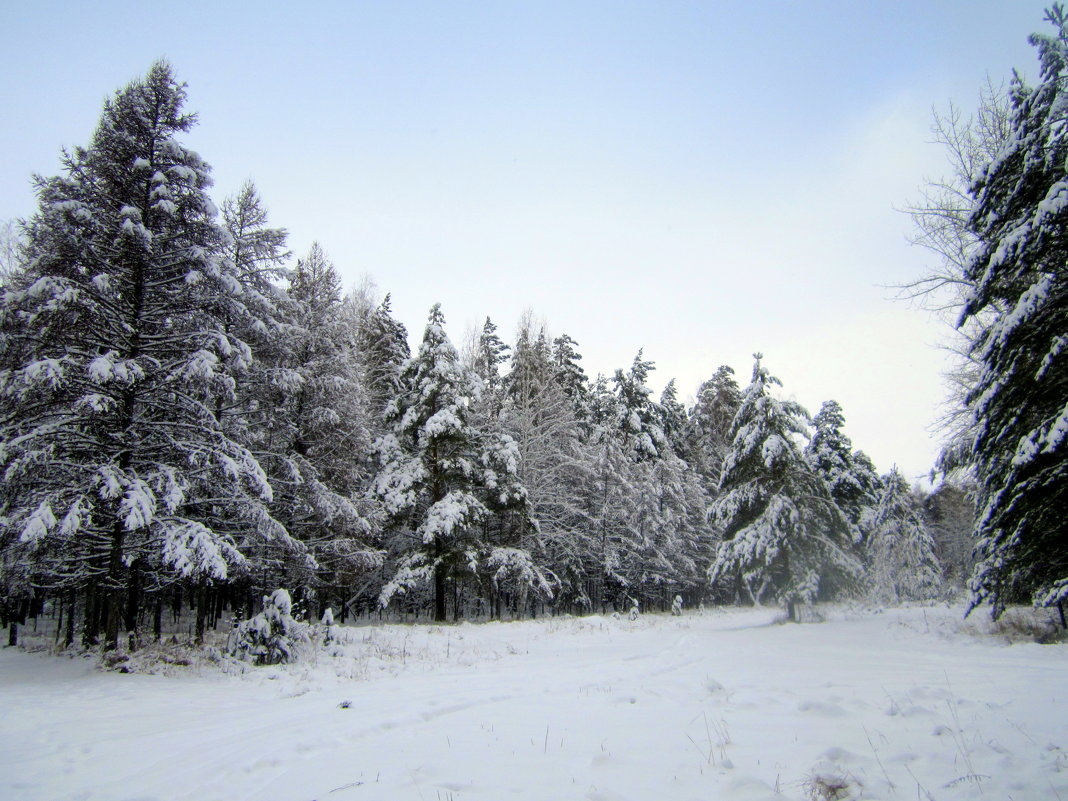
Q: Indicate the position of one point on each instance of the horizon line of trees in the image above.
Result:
(186, 419)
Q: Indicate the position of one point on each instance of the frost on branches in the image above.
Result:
(1020, 400)
(784, 538)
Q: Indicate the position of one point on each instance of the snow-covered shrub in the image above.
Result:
(328, 625)
(273, 636)
(676, 606)
(635, 609)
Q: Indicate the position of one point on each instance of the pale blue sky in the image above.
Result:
(699, 179)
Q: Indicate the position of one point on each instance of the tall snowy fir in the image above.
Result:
(442, 482)
(784, 538)
(116, 353)
(852, 482)
(1020, 398)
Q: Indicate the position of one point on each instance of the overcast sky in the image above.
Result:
(699, 179)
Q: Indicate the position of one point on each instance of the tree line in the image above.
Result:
(190, 417)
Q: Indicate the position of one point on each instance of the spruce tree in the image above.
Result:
(831, 456)
(710, 421)
(784, 538)
(117, 354)
(1020, 398)
(443, 482)
(383, 347)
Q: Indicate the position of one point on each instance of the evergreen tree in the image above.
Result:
(490, 355)
(1020, 398)
(117, 354)
(315, 428)
(383, 345)
(784, 538)
(902, 565)
(569, 373)
(441, 481)
(831, 456)
(711, 418)
(673, 421)
(639, 418)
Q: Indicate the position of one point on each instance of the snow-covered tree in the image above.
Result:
(442, 481)
(383, 346)
(569, 373)
(115, 355)
(11, 245)
(491, 352)
(784, 538)
(273, 636)
(314, 429)
(711, 418)
(900, 551)
(854, 486)
(672, 418)
(539, 416)
(639, 417)
(1020, 398)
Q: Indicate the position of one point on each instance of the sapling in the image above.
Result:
(271, 637)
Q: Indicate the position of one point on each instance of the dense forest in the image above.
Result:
(191, 418)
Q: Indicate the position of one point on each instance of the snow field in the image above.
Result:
(724, 704)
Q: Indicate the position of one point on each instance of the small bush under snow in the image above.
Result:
(273, 636)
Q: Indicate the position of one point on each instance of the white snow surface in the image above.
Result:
(719, 704)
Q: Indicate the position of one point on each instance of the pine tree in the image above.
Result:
(491, 353)
(116, 355)
(1020, 399)
(902, 565)
(672, 418)
(784, 538)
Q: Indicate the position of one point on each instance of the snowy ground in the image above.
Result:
(724, 704)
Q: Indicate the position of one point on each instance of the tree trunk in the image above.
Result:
(114, 615)
(91, 624)
(71, 609)
(439, 595)
(133, 603)
(157, 618)
(114, 583)
(201, 601)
